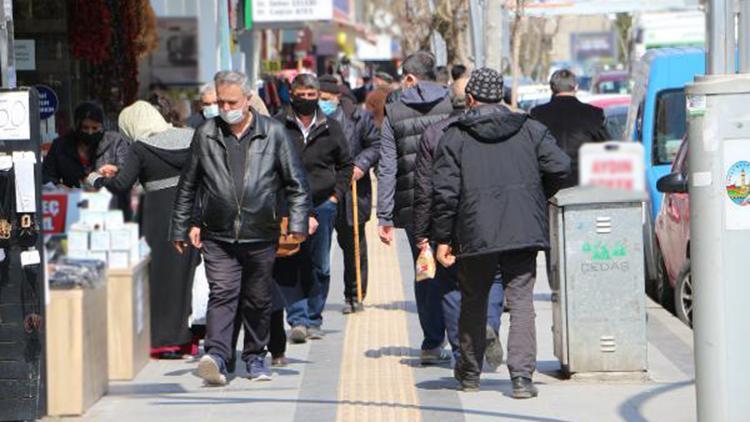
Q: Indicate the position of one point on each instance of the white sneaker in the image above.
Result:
(210, 372)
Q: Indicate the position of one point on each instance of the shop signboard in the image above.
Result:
(279, 11)
(593, 45)
(48, 101)
(25, 52)
(616, 165)
(54, 208)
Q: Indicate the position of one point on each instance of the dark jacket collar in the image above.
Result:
(319, 125)
(216, 128)
(564, 99)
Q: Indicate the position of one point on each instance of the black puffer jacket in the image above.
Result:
(273, 169)
(493, 173)
(409, 113)
(423, 176)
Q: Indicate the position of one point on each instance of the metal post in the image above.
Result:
(476, 15)
(494, 20)
(744, 36)
(730, 39)
(716, 59)
(7, 50)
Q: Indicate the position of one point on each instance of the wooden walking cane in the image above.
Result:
(355, 220)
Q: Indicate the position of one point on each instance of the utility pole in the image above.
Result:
(476, 17)
(7, 50)
(719, 153)
(494, 19)
(516, 53)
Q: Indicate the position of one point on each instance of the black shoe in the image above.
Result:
(523, 388)
(348, 309)
(358, 306)
(467, 386)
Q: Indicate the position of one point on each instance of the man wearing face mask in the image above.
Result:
(85, 149)
(408, 113)
(322, 145)
(240, 164)
(210, 108)
(363, 138)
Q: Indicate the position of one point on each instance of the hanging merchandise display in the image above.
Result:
(21, 272)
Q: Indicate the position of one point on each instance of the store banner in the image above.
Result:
(54, 207)
(277, 11)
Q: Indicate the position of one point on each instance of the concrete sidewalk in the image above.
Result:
(367, 370)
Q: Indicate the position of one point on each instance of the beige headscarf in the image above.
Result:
(141, 120)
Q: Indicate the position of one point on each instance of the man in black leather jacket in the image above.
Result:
(241, 163)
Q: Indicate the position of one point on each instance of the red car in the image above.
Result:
(674, 286)
(615, 112)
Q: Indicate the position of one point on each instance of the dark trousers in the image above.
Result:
(452, 306)
(345, 238)
(238, 274)
(429, 297)
(476, 275)
(277, 336)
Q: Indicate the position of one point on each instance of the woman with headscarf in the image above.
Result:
(85, 149)
(156, 159)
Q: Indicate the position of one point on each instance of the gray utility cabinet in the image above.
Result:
(598, 280)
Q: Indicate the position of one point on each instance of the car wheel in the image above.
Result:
(683, 296)
(664, 291)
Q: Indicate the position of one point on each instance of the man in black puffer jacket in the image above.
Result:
(408, 113)
(493, 172)
(240, 164)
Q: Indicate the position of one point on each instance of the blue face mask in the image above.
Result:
(328, 107)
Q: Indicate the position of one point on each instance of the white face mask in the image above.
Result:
(232, 116)
(209, 112)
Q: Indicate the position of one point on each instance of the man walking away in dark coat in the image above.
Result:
(493, 173)
(363, 138)
(239, 164)
(448, 277)
(409, 112)
(321, 143)
(571, 122)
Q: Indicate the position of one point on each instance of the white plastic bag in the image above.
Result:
(200, 296)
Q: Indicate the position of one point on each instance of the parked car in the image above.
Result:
(657, 119)
(612, 82)
(615, 112)
(672, 228)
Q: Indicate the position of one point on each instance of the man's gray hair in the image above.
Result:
(563, 81)
(206, 88)
(231, 77)
(305, 81)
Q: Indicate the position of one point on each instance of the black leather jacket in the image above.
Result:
(273, 168)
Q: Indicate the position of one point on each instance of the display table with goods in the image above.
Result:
(77, 361)
(128, 320)
(98, 312)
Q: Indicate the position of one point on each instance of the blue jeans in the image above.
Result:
(429, 297)
(306, 309)
(452, 305)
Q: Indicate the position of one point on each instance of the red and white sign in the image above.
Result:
(616, 165)
(54, 211)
